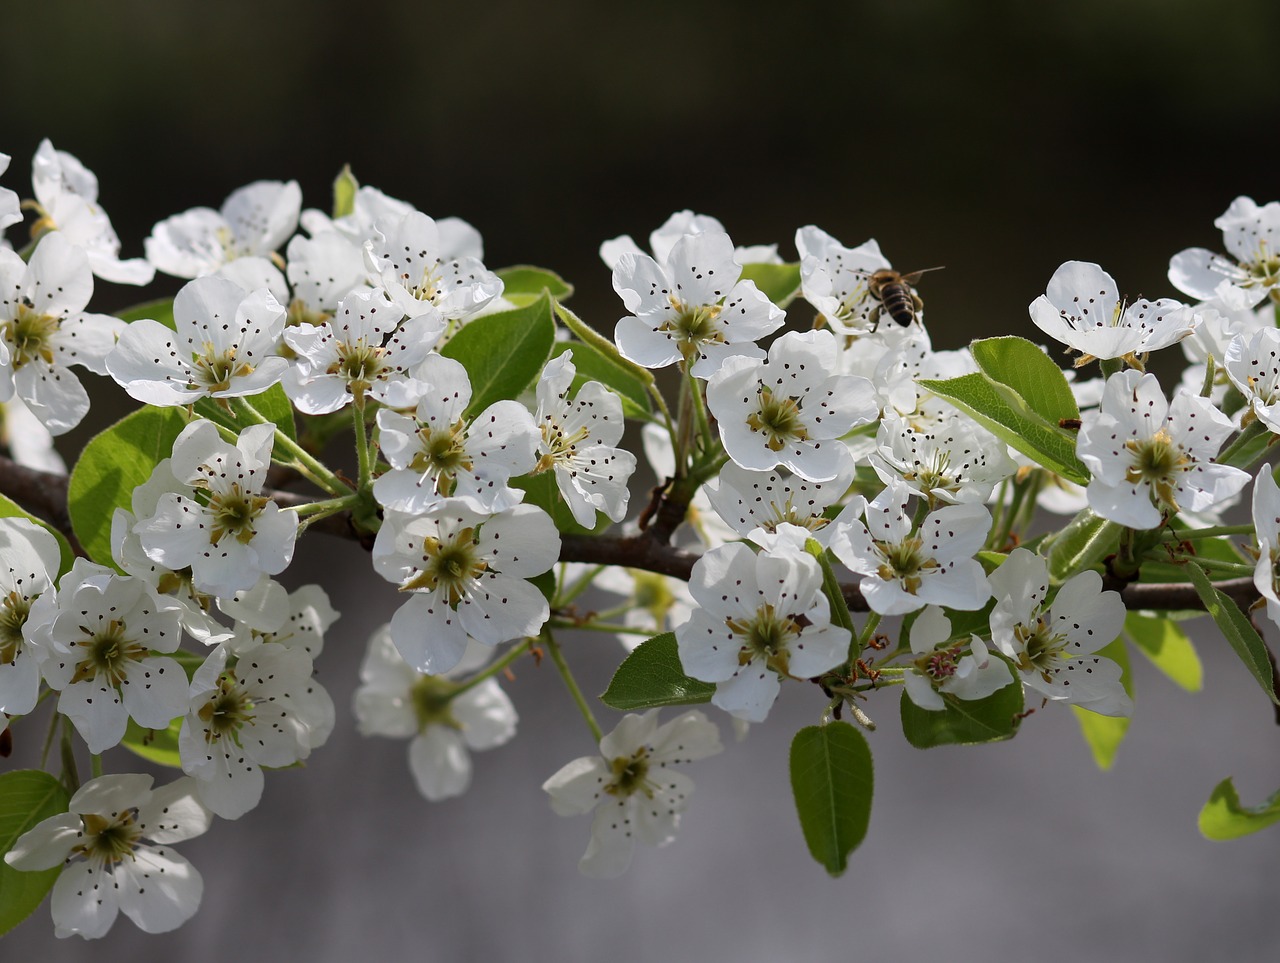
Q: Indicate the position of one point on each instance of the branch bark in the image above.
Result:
(45, 494)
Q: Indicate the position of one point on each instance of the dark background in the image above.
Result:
(998, 139)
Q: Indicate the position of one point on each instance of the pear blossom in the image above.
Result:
(443, 721)
(268, 613)
(29, 561)
(407, 258)
(1266, 521)
(107, 654)
(224, 347)
(755, 503)
(631, 786)
(465, 573)
(758, 618)
(67, 201)
(1251, 234)
(578, 442)
(905, 569)
(261, 708)
(358, 352)
(941, 667)
(791, 409)
(322, 271)
(692, 307)
(1082, 309)
(1252, 362)
(953, 461)
(440, 453)
(114, 847)
(1053, 646)
(237, 535)
(835, 280)
(254, 221)
(1150, 457)
(44, 329)
(27, 441)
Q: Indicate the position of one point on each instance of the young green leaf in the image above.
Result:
(1103, 734)
(652, 676)
(11, 509)
(345, 186)
(780, 283)
(1224, 818)
(27, 796)
(155, 745)
(1239, 633)
(1030, 372)
(1168, 648)
(1084, 542)
(159, 310)
(1000, 410)
(111, 466)
(832, 780)
(964, 722)
(522, 284)
(503, 353)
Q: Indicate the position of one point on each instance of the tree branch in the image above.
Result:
(45, 494)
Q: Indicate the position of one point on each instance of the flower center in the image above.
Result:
(108, 653)
(940, 665)
(109, 839)
(213, 372)
(766, 635)
(693, 324)
(778, 419)
(360, 365)
(1042, 649)
(630, 775)
(558, 445)
(13, 616)
(442, 453)
(30, 335)
(905, 561)
(428, 286)
(448, 566)
(228, 709)
(1157, 461)
(1264, 271)
(233, 514)
(431, 697)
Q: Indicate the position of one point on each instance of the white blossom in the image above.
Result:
(1266, 522)
(443, 722)
(664, 238)
(834, 279)
(943, 667)
(952, 461)
(758, 618)
(631, 786)
(1251, 234)
(29, 561)
(1149, 457)
(755, 503)
(114, 847)
(10, 206)
(791, 409)
(1053, 646)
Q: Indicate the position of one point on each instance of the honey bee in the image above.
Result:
(895, 295)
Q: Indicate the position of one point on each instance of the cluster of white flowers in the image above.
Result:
(795, 456)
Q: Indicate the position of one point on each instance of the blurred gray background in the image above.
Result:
(998, 139)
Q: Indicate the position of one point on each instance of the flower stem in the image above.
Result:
(835, 597)
(492, 669)
(1171, 535)
(362, 446)
(302, 459)
(571, 684)
(595, 625)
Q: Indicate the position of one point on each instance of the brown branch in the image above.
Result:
(45, 495)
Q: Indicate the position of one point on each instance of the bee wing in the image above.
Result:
(914, 277)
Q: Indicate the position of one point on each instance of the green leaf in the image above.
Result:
(345, 186)
(832, 780)
(591, 365)
(11, 509)
(652, 676)
(155, 745)
(159, 310)
(522, 284)
(1168, 648)
(604, 347)
(1000, 410)
(1240, 634)
(273, 404)
(27, 796)
(1084, 542)
(964, 722)
(1224, 818)
(504, 353)
(780, 283)
(111, 466)
(1103, 734)
(1030, 372)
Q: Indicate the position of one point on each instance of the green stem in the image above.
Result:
(1108, 367)
(868, 632)
(326, 506)
(302, 459)
(1171, 535)
(835, 597)
(365, 470)
(684, 426)
(598, 626)
(48, 738)
(571, 684)
(492, 669)
(70, 774)
(1246, 436)
(709, 441)
(565, 596)
(1230, 569)
(95, 765)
